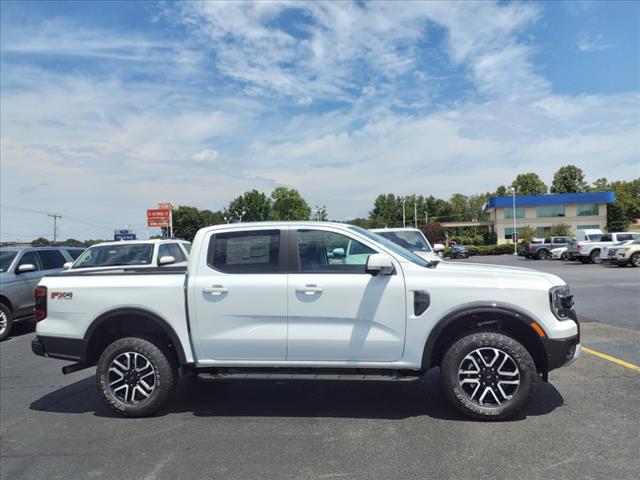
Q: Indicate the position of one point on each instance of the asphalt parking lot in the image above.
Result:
(584, 423)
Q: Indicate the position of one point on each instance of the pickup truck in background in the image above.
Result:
(267, 301)
(542, 251)
(589, 251)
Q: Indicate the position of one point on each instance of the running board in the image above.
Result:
(315, 375)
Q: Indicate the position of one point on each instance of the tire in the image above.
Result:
(594, 256)
(564, 256)
(480, 405)
(634, 260)
(542, 254)
(6, 321)
(148, 360)
(585, 260)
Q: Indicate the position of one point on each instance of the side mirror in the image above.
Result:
(438, 247)
(337, 253)
(67, 265)
(379, 264)
(26, 267)
(166, 260)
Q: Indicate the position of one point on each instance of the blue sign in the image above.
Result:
(124, 234)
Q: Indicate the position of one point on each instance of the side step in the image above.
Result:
(358, 375)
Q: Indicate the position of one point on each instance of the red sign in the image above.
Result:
(157, 222)
(165, 206)
(157, 213)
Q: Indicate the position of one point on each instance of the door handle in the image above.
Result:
(309, 289)
(215, 290)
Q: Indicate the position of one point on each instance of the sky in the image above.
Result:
(108, 108)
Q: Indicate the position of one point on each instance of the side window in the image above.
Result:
(245, 252)
(32, 258)
(625, 237)
(75, 252)
(176, 252)
(321, 251)
(51, 259)
(187, 247)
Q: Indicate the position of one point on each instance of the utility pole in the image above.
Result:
(404, 221)
(426, 218)
(415, 215)
(55, 225)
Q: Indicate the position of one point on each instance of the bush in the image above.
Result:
(503, 249)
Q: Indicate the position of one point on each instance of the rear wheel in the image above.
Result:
(542, 254)
(595, 257)
(488, 375)
(6, 321)
(635, 260)
(136, 376)
(564, 256)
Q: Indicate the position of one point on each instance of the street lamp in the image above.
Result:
(404, 218)
(240, 215)
(513, 233)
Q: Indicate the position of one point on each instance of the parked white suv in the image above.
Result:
(267, 301)
(412, 239)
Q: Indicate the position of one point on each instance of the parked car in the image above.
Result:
(589, 251)
(583, 235)
(134, 254)
(604, 253)
(458, 251)
(542, 251)
(265, 301)
(412, 239)
(522, 249)
(559, 253)
(628, 254)
(21, 268)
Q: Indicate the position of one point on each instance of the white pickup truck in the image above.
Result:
(590, 252)
(267, 301)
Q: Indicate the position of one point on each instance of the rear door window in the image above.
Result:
(245, 252)
(51, 259)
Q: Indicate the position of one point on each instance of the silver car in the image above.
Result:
(21, 268)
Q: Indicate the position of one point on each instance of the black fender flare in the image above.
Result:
(123, 312)
(504, 310)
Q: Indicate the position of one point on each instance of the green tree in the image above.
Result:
(529, 184)
(600, 185)
(561, 230)
(387, 211)
(569, 179)
(476, 206)
(626, 208)
(501, 191)
(434, 232)
(360, 222)
(255, 205)
(288, 204)
(188, 220)
(526, 234)
(41, 241)
(72, 242)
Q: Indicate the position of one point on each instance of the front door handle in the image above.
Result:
(309, 289)
(215, 290)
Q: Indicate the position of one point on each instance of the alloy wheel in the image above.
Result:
(132, 378)
(489, 377)
(3, 322)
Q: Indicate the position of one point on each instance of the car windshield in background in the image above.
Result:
(392, 246)
(5, 260)
(115, 255)
(413, 241)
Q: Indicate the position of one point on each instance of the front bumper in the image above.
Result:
(74, 349)
(562, 351)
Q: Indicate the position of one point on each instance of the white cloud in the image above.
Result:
(208, 155)
(592, 43)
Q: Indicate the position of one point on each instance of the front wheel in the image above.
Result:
(488, 375)
(564, 256)
(542, 254)
(595, 257)
(634, 261)
(136, 376)
(6, 321)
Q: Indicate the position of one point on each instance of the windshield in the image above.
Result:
(594, 237)
(5, 260)
(112, 255)
(413, 241)
(395, 248)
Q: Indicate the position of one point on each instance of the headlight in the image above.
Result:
(561, 301)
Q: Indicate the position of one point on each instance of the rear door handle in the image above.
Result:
(215, 290)
(309, 289)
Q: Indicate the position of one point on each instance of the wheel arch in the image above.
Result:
(476, 316)
(6, 302)
(122, 322)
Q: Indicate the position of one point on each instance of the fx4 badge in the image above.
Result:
(61, 295)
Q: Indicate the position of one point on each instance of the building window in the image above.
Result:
(508, 232)
(508, 212)
(543, 232)
(587, 209)
(550, 211)
(587, 227)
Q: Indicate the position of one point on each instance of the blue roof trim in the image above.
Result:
(553, 199)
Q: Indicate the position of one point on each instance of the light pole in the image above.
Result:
(404, 218)
(241, 215)
(513, 233)
(415, 215)
(426, 218)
